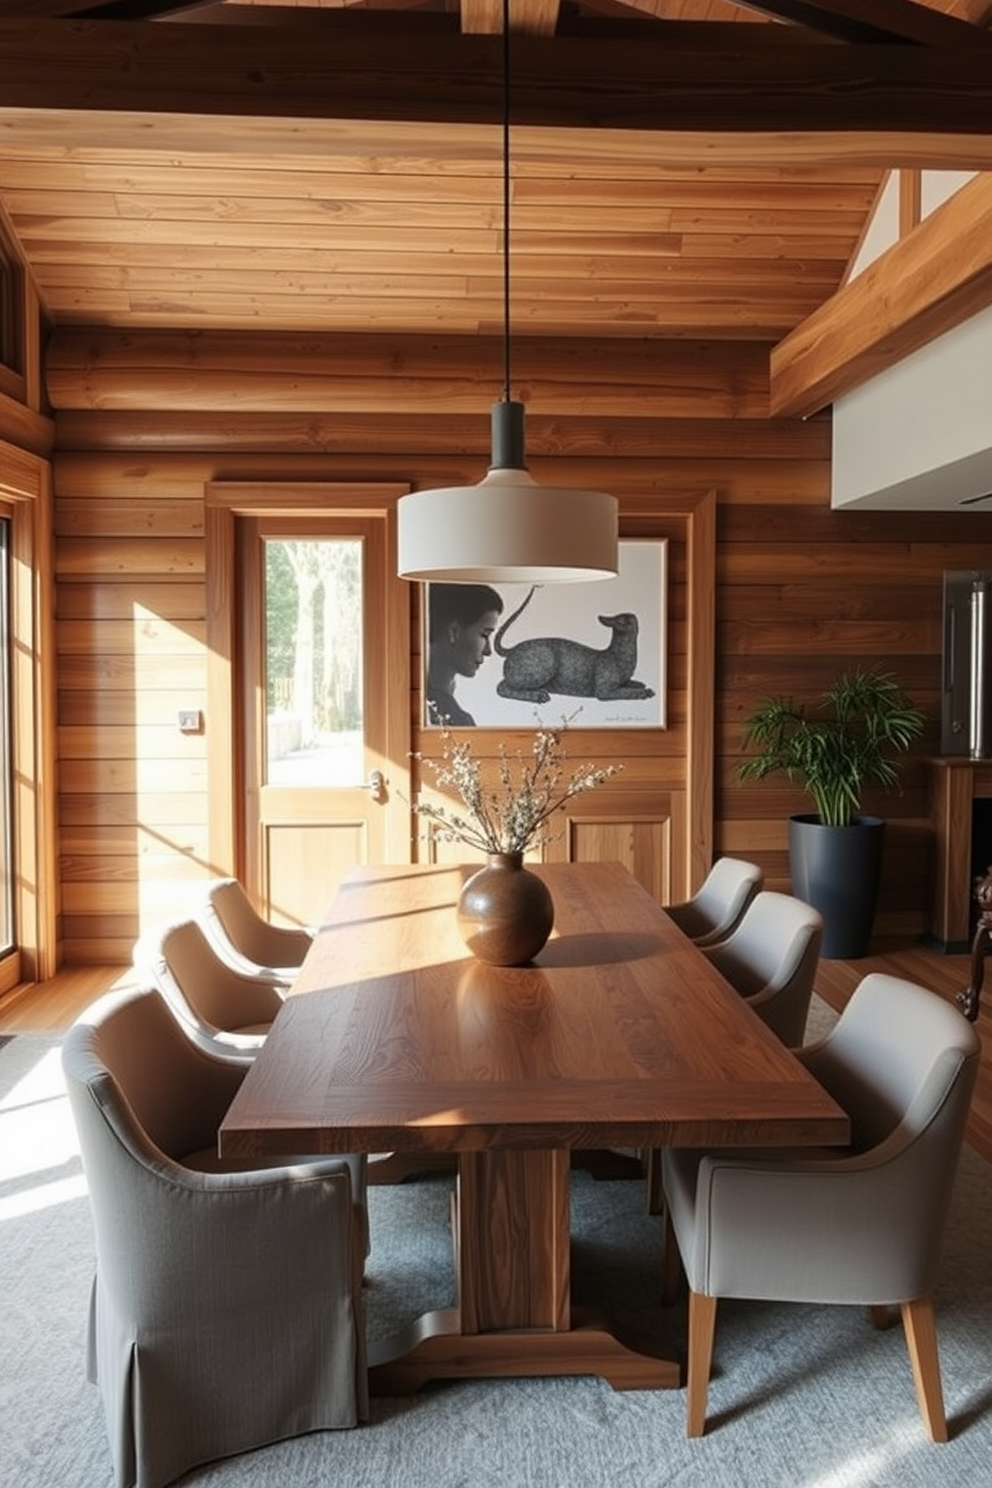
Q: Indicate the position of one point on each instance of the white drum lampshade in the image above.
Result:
(507, 528)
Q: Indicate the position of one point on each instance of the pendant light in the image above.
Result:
(507, 528)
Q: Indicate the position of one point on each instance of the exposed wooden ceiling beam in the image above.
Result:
(871, 20)
(733, 84)
(47, 132)
(927, 283)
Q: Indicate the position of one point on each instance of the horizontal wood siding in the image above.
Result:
(144, 421)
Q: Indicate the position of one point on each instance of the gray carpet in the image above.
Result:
(801, 1397)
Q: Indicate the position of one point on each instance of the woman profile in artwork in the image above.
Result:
(461, 619)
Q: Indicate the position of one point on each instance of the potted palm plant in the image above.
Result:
(834, 750)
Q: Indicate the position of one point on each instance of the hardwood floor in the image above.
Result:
(51, 1006)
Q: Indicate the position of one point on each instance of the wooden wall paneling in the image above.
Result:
(399, 438)
(131, 654)
(81, 558)
(646, 843)
(798, 590)
(110, 372)
(739, 478)
(803, 596)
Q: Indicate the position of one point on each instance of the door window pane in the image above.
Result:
(7, 938)
(313, 661)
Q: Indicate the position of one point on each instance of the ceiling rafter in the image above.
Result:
(872, 20)
(857, 21)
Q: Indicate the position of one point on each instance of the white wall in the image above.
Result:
(883, 230)
(919, 436)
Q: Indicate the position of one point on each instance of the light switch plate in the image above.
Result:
(190, 721)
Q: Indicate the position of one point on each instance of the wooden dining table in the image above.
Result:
(619, 1035)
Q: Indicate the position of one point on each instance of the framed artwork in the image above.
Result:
(518, 655)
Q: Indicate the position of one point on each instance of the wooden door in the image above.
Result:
(315, 669)
(319, 647)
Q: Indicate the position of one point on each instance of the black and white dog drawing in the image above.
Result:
(537, 667)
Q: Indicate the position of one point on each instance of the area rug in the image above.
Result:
(802, 1397)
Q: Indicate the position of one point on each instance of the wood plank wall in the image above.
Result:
(144, 421)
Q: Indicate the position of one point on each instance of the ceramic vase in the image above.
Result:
(505, 912)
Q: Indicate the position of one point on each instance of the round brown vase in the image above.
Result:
(505, 912)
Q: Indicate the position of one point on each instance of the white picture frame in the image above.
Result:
(571, 641)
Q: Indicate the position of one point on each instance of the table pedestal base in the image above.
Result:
(434, 1348)
(512, 1241)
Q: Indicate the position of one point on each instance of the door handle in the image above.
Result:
(377, 785)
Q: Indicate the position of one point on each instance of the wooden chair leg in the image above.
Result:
(671, 1263)
(652, 1173)
(702, 1327)
(880, 1316)
(920, 1328)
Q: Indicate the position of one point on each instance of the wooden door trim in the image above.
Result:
(224, 503)
(25, 484)
(697, 510)
(701, 721)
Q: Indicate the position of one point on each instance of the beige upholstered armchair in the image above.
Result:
(245, 939)
(716, 907)
(224, 1010)
(858, 1226)
(226, 1311)
(771, 959)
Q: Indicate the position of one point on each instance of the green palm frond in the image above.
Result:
(833, 751)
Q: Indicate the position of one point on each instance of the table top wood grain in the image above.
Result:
(620, 1033)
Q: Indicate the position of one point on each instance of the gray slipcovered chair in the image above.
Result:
(245, 939)
(860, 1226)
(771, 959)
(226, 1311)
(716, 907)
(223, 1010)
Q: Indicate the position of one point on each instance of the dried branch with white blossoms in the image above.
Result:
(513, 818)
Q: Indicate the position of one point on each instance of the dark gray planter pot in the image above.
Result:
(838, 870)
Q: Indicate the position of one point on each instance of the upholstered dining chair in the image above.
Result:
(860, 1226)
(245, 939)
(771, 958)
(716, 907)
(226, 1310)
(224, 1010)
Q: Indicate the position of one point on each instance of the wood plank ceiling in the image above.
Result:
(680, 168)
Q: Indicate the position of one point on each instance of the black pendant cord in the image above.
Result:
(506, 200)
(507, 416)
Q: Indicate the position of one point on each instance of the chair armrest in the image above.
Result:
(823, 1228)
(171, 1237)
